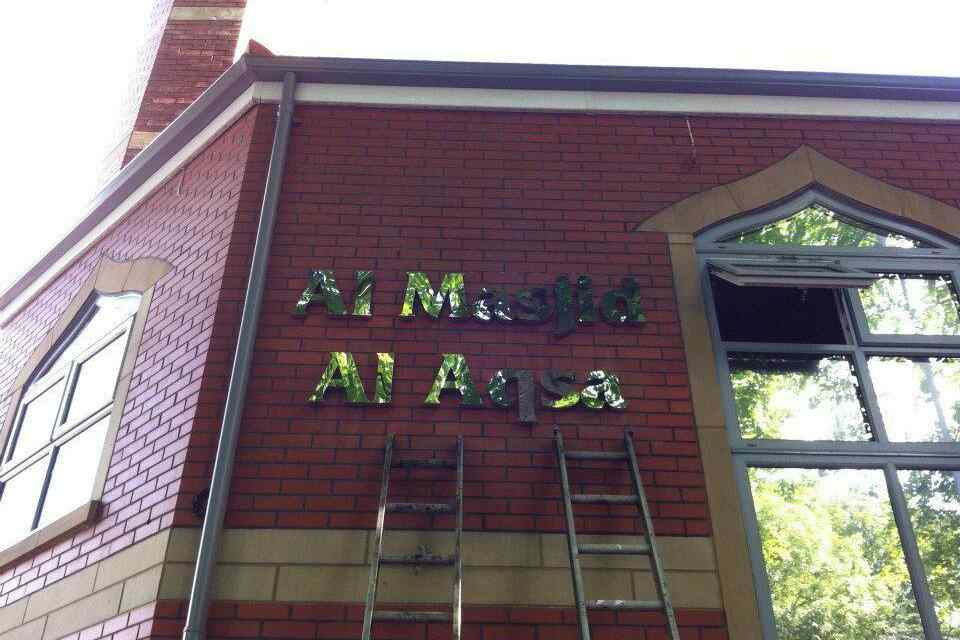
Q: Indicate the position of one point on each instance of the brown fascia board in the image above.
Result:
(485, 75)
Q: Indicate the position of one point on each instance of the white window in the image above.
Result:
(54, 447)
(841, 385)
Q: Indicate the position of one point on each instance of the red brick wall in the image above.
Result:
(189, 221)
(279, 620)
(436, 191)
(190, 56)
(511, 200)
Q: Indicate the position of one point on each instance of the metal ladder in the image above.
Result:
(647, 548)
(420, 558)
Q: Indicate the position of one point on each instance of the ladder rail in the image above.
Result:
(458, 549)
(378, 542)
(656, 560)
(572, 548)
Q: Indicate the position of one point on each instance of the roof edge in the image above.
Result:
(499, 75)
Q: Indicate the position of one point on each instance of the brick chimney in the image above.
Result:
(190, 43)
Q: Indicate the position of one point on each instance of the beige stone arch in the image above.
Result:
(110, 277)
(802, 169)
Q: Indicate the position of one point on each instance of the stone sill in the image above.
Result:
(60, 527)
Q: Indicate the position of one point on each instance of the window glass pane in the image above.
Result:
(807, 316)
(818, 226)
(933, 498)
(797, 397)
(74, 471)
(912, 304)
(96, 381)
(37, 423)
(919, 397)
(108, 314)
(18, 503)
(833, 556)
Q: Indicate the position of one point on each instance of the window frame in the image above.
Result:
(63, 431)
(882, 454)
(69, 375)
(108, 278)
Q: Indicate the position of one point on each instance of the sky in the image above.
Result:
(67, 65)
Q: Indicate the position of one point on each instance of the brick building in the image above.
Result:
(750, 274)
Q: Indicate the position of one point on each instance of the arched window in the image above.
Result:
(837, 336)
(53, 449)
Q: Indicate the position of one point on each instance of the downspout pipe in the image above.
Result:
(200, 592)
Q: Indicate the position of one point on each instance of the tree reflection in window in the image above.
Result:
(832, 554)
(912, 304)
(797, 397)
(818, 226)
(933, 499)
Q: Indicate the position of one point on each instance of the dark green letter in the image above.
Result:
(341, 373)
(454, 364)
(323, 290)
(418, 286)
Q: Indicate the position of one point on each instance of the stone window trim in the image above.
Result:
(109, 278)
(802, 170)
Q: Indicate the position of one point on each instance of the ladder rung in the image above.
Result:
(418, 507)
(419, 559)
(603, 499)
(620, 605)
(614, 549)
(433, 463)
(596, 455)
(411, 616)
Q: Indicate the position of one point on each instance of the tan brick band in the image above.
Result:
(318, 565)
(514, 569)
(206, 13)
(115, 585)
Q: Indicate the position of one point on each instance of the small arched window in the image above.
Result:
(53, 451)
(837, 333)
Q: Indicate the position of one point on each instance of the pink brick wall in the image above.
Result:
(189, 221)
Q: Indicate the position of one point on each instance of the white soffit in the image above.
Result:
(616, 102)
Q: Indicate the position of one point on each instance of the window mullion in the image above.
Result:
(69, 381)
(870, 402)
(755, 549)
(12, 434)
(908, 540)
(46, 485)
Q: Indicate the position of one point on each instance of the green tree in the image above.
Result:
(818, 226)
(833, 558)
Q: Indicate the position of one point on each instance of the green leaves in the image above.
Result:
(832, 555)
(818, 226)
(454, 374)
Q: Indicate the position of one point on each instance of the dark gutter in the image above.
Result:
(481, 75)
(489, 75)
